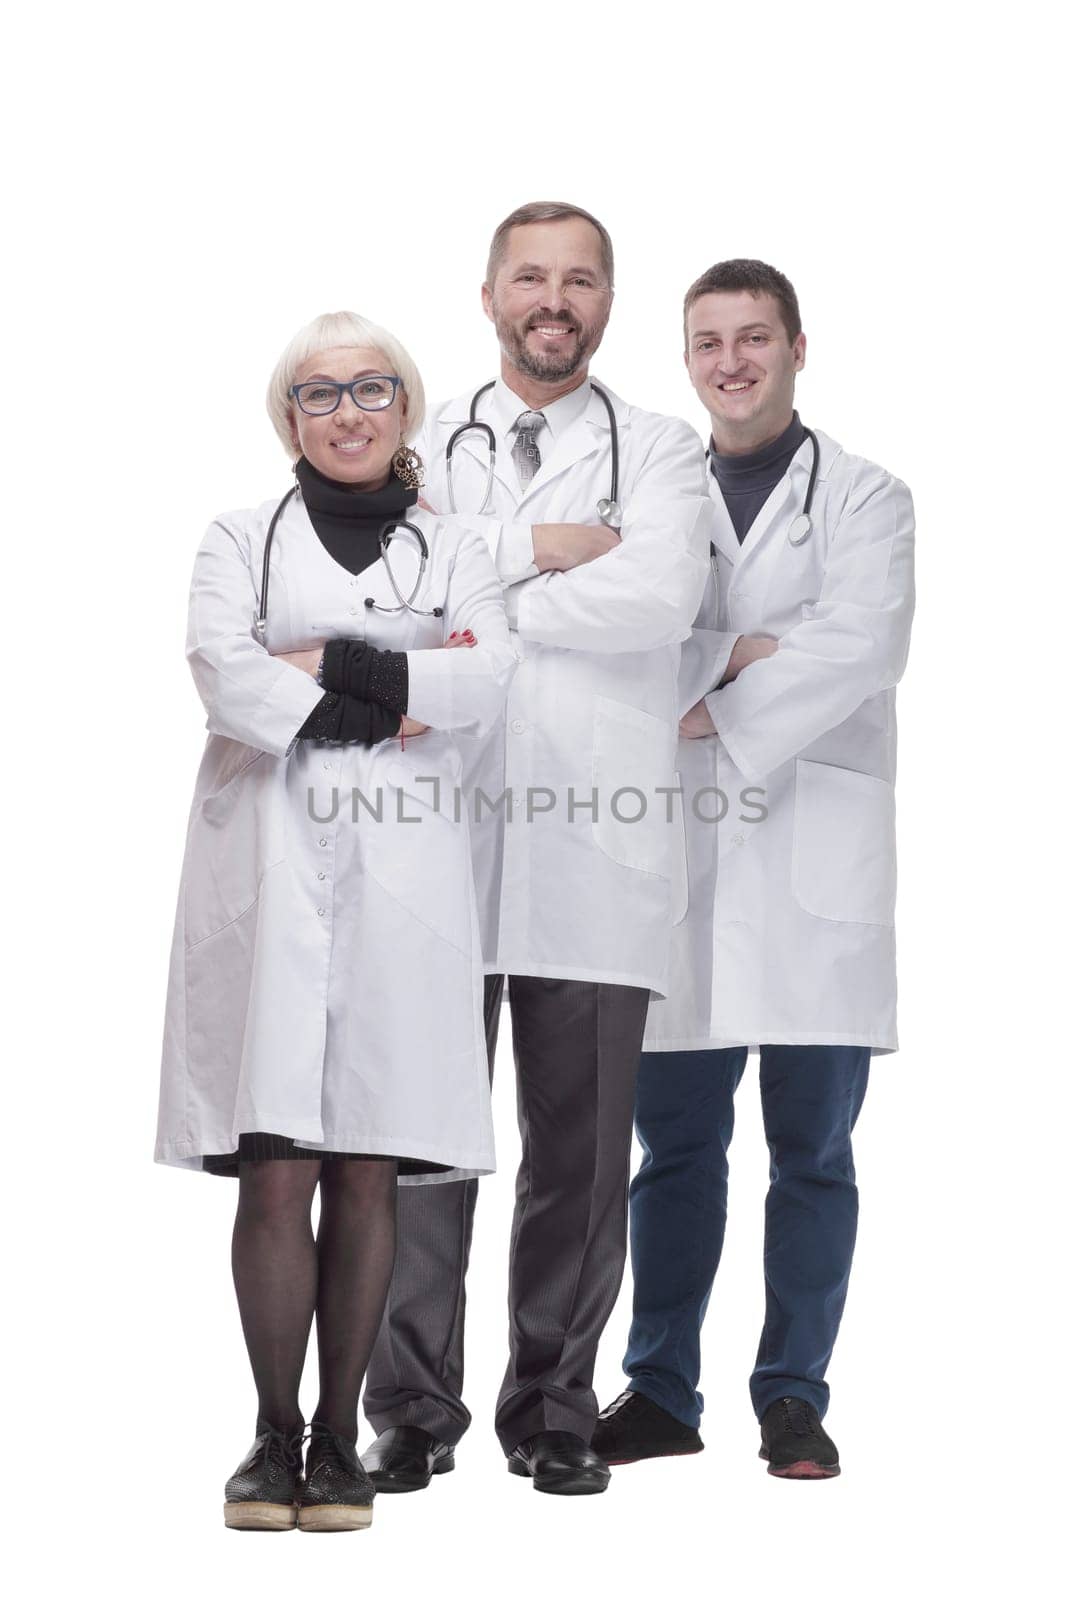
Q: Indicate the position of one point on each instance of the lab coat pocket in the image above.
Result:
(235, 836)
(419, 853)
(633, 756)
(844, 861)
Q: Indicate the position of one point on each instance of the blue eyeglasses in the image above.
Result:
(319, 398)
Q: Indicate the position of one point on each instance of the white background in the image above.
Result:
(187, 187)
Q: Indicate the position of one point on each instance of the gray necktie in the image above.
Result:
(524, 452)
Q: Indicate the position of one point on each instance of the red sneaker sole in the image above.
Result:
(660, 1455)
(804, 1469)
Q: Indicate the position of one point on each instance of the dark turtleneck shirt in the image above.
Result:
(366, 688)
(746, 481)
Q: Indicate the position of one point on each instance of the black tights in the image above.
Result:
(284, 1276)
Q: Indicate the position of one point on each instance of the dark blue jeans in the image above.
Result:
(684, 1119)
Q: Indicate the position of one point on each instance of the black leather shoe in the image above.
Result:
(559, 1463)
(262, 1493)
(795, 1444)
(403, 1459)
(337, 1493)
(635, 1428)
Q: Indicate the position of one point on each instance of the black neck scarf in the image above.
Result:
(348, 520)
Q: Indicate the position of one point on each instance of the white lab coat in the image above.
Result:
(786, 935)
(592, 706)
(326, 975)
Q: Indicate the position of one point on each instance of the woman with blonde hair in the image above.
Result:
(324, 1013)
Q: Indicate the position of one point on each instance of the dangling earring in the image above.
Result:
(407, 464)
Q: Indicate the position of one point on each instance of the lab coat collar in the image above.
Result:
(723, 536)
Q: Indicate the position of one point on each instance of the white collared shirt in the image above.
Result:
(558, 415)
(515, 553)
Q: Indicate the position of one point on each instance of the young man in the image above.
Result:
(575, 894)
(787, 944)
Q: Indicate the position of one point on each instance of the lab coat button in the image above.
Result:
(518, 726)
(321, 911)
(323, 843)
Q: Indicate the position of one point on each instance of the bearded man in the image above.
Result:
(569, 810)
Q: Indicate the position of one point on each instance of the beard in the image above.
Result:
(548, 366)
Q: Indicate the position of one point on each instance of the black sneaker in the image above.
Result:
(337, 1493)
(634, 1428)
(262, 1493)
(795, 1443)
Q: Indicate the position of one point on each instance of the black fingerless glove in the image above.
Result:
(345, 720)
(353, 667)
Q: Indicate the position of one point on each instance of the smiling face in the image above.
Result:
(351, 446)
(550, 299)
(742, 365)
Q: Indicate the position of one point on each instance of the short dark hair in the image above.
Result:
(754, 277)
(547, 211)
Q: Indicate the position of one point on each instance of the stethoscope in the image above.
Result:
(800, 527)
(385, 538)
(607, 510)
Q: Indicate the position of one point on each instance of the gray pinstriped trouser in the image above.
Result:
(577, 1051)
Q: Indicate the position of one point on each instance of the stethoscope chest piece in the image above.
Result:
(610, 513)
(800, 527)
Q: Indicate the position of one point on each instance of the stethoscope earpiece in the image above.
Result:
(372, 605)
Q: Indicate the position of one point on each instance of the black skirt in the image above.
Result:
(274, 1147)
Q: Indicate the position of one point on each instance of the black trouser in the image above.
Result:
(577, 1050)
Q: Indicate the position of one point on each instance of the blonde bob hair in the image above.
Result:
(328, 332)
